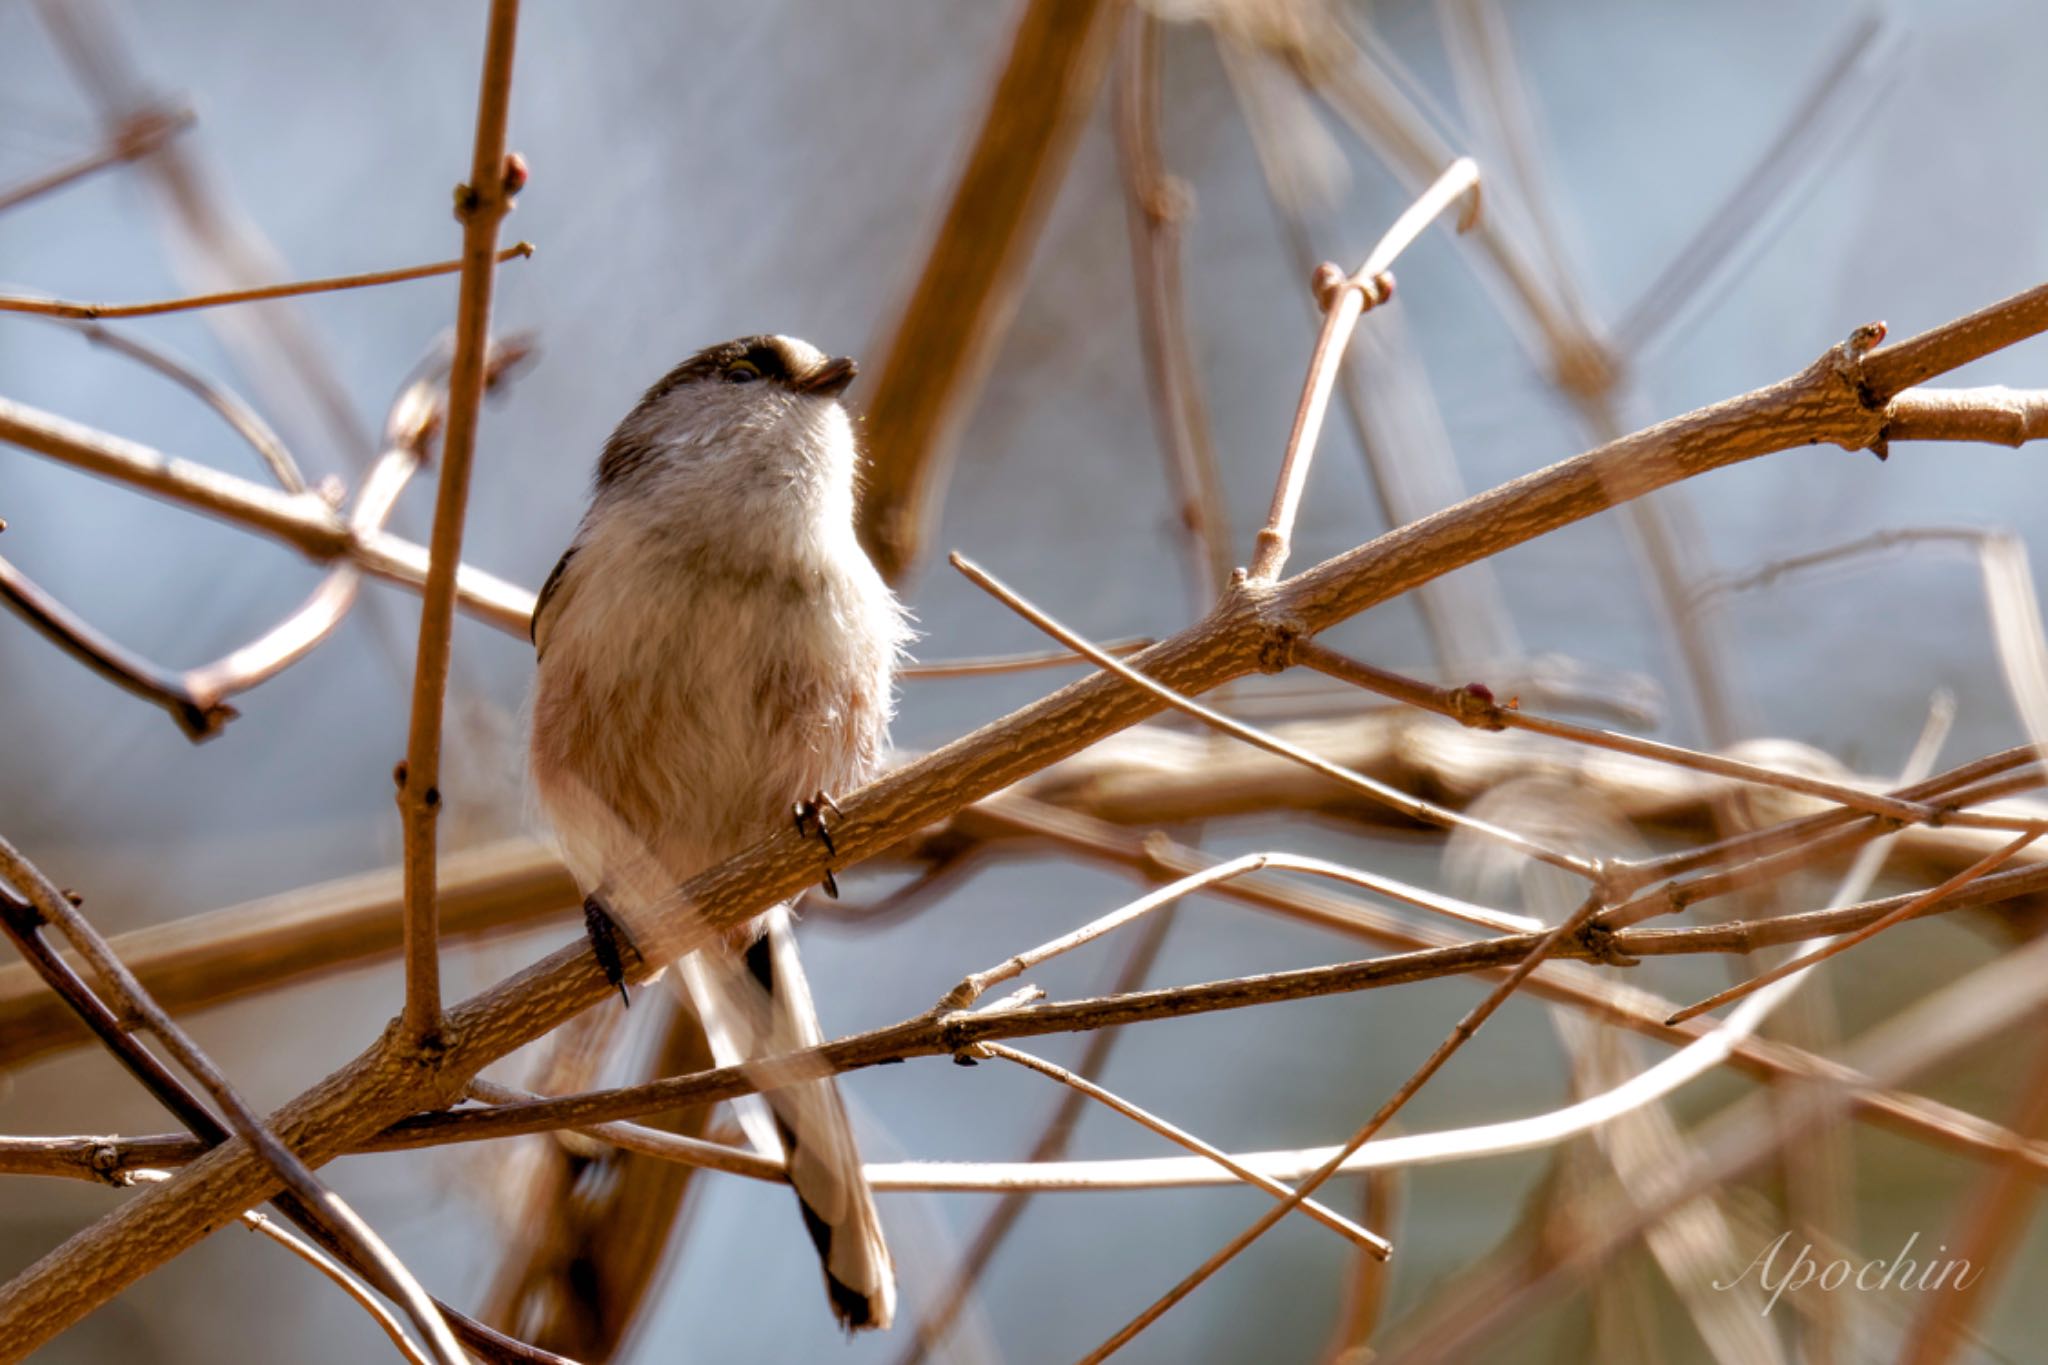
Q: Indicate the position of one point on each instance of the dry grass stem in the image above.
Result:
(991, 665)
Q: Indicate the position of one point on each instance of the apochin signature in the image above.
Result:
(1872, 1276)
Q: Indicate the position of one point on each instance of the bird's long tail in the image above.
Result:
(755, 1006)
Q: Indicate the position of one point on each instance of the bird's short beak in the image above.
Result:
(830, 379)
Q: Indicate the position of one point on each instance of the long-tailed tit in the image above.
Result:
(715, 652)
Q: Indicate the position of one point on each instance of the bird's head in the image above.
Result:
(759, 408)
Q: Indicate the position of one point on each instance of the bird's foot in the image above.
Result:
(604, 933)
(810, 818)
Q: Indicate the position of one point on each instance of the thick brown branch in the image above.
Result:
(200, 718)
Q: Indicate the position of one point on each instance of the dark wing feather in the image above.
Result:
(547, 592)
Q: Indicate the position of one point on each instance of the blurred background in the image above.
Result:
(1687, 202)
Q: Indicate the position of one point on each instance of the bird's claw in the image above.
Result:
(810, 819)
(604, 933)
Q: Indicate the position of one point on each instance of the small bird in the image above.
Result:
(716, 656)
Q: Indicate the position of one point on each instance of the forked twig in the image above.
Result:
(1344, 299)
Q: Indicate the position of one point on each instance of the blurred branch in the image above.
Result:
(211, 243)
(1251, 629)
(284, 940)
(201, 718)
(1986, 1230)
(304, 521)
(1999, 996)
(196, 698)
(959, 311)
(481, 205)
(1156, 203)
(138, 135)
(232, 407)
(1849, 84)
(1143, 778)
(58, 308)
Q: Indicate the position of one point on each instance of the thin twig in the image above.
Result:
(232, 407)
(481, 205)
(200, 718)
(1344, 300)
(304, 521)
(58, 308)
(327, 1266)
(1914, 906)
(1052, 1143)
(1376, 1245)
(976, 984)
(1412, 806)
(1466, 1027)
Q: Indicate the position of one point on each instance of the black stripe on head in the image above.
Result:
(764, 353)
(770, 363)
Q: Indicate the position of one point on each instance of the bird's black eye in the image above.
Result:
(742, 372)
